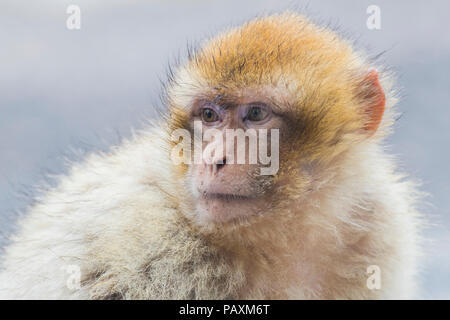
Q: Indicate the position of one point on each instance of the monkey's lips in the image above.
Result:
(226, 196)
(227, 207)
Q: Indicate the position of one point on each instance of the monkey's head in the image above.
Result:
(313, 94)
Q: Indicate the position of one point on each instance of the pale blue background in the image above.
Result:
(62, 90)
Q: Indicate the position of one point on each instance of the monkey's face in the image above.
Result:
(239, 143)
(257, 150)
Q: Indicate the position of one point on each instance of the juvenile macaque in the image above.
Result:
(304, 215)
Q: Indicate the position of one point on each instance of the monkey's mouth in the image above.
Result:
(219, 207)
(226, 196)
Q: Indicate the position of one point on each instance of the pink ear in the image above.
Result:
(375, 100)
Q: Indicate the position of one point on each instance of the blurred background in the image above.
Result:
(62, 91)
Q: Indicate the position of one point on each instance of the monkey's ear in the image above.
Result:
(373, 100)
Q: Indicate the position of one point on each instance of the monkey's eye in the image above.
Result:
(256, 114)
(209, 115)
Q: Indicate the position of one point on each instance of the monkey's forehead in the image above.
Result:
(267, 49)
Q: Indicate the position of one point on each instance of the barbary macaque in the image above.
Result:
(301, 206)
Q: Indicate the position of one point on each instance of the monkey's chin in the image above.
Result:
(226, 208)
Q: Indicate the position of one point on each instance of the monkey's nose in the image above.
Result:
(220, 164)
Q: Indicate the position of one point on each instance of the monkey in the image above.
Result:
(134, 224)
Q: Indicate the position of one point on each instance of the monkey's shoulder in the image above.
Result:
(107, 196)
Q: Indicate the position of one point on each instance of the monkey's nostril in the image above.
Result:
(221, 165)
